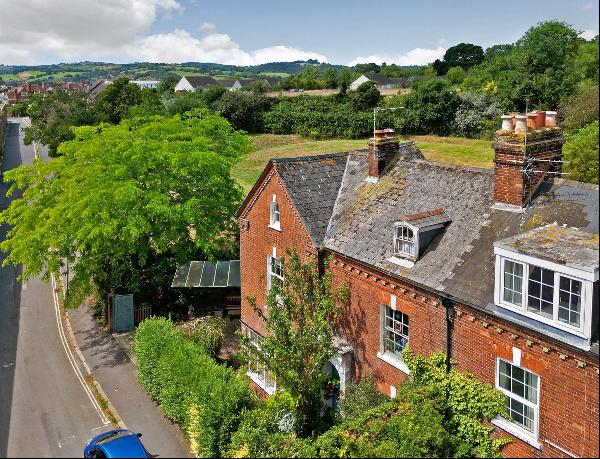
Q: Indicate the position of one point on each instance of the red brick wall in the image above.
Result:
(257, 242)
(568, 388)
(360, 319)
(569, 385)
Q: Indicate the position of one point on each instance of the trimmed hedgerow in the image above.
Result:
(203, 397)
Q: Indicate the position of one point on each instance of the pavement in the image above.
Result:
(108, 357)
(46, 409)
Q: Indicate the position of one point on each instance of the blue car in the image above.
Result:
(116, 443)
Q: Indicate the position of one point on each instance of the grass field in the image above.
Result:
(460, 151)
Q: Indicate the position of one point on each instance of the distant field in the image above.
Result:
(460, 151)
(275, 74)
(329, 92)
(189, 73)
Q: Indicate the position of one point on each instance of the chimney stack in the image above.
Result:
(383, 147)
(525, 154)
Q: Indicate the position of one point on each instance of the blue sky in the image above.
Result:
(247, 32)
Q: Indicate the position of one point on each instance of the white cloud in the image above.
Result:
(209, 26)
(588, 34)
(416, 56)
(42, 31)
(588, 6)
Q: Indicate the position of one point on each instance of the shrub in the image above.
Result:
(476, 113)
(409, 426)
(204, 398)
(267, 431)
(207, 332)
(581, 109)
(359, 398)
(318, 117)
(456, 75)
(581, 150)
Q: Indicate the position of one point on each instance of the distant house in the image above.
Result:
(382, 82)
(231, 85)
(146, 84)
(97, 88)
(194, 83)
(72, 87)
(25, 91)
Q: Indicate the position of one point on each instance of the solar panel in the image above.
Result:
(207, 274)
(181, 275)
(234, 273)
(193, 279)
(222, 274)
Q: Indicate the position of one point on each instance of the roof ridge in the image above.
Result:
(312, 157)
(457, 167)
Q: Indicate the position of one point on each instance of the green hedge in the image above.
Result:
(319, 118)
(203, 397)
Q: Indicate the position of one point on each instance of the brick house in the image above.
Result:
(498, 269)
(25, 91)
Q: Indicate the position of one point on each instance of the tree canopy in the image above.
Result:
(464, 55)
(122, 194)
(53, 114)
(114, 102)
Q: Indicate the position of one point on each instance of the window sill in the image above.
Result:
(402, 262)
(517, 431)
(394, 361)
(259, 383)
(275, 227)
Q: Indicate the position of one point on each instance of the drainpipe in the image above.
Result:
(450, 314)
(320, 263)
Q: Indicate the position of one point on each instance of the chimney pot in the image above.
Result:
(520, 123)
(379, 134)
(540, 118)
(550, 120)
(531, 124)
(389, 132)
(507, 122)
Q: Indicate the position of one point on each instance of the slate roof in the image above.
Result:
(200, 81)
(312, 183)
(459, 261)
(227, 83)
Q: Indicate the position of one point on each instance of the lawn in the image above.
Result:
(452, 150)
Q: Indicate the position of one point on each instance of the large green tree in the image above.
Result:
(113, 104)
(52, 116)
(298, 320)
(464, 55)
(121, 195)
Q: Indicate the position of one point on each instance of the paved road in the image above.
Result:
(44, 408)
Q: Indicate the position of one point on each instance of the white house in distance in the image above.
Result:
(194, 83)
(146, 84)
(382, 82)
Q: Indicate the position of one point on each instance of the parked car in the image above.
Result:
(116, 443)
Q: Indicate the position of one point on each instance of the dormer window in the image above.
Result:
(549, 274)
(274, 216)
(404, 241)
(413, 234)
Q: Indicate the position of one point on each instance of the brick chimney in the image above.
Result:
(382, 149)
(525, 156)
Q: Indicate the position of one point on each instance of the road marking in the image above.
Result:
(71, 358)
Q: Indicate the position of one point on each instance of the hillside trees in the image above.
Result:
(464, 55)
(122, 196)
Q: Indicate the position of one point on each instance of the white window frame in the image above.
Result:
(584, 329)
(508, 424)
(261, 380)
(270, 273)
(415, 240)
(389, 357)
(274, 211)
